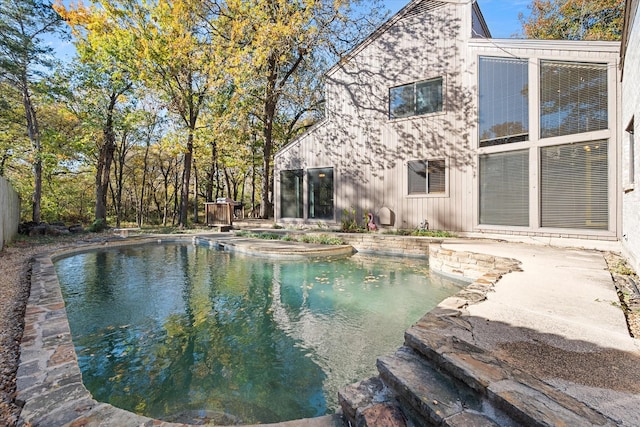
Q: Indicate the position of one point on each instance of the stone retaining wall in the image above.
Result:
(385, 244)
(9, 212)
(469, 265)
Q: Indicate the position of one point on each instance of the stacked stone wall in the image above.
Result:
(383, 244)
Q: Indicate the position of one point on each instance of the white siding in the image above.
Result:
(368, 151)
(631, 109)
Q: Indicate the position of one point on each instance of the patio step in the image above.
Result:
(439, 379)
(503, 394)
(430, 397)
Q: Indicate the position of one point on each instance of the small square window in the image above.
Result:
(426, 176)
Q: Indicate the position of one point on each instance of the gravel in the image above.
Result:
(14, 292)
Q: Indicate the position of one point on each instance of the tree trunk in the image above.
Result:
(195, 193)
(144, 183)
(105, 158)
(34, 136)
(186, 178)
(253, 176)
(270, 101)
(212, 171)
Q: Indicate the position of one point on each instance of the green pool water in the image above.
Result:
(186, 332)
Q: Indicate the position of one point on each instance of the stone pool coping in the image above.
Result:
(49, 381)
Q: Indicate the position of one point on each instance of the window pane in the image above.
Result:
(429, 96)
(436, 169)
(504, 101)
(417, 177)
(574, 186)
(291, 194)
(402, 101)
(504, 188)
(321, 193)
(573, 98)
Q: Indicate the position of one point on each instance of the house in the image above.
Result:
(630, 118)
(432, 120)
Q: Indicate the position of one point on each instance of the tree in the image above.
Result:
(174, 56)
(102, 80)
(278, 41)
(24, 59)
(574, 19)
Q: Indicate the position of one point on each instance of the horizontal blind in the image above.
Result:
(574, 187)
(436, 176)
(573, 98)
(504, 100)
(504, 188)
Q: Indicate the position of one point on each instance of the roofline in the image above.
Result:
(574, 45)
(483, 23)
(286, 148)
(382, 29)
(630, 8)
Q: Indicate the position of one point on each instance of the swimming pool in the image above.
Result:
(173, 330)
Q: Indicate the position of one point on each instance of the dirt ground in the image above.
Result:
(15, 275)
(627, 283)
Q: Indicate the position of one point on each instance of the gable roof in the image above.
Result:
(414, 7)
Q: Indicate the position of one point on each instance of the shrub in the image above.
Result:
(349, 222)
(98, 226)
(322, 239)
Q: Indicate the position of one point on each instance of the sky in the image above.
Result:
(501, 15)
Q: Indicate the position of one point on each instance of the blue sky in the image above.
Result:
(501, 15)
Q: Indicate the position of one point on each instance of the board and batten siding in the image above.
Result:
(368, 151)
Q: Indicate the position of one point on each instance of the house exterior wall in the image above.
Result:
(535, 51)
(370, 152)
(631, 159)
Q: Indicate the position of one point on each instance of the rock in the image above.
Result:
(56, 230)
(381, 415)
(76, 228)
(37, 230)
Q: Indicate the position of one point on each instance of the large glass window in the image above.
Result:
(574, 186)
(320, 183)
(504, 188)
(291, 194)
(415, 99)
(573, 98)
(426, 176)
(503, 100)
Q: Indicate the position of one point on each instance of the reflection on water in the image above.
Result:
(165, 329)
